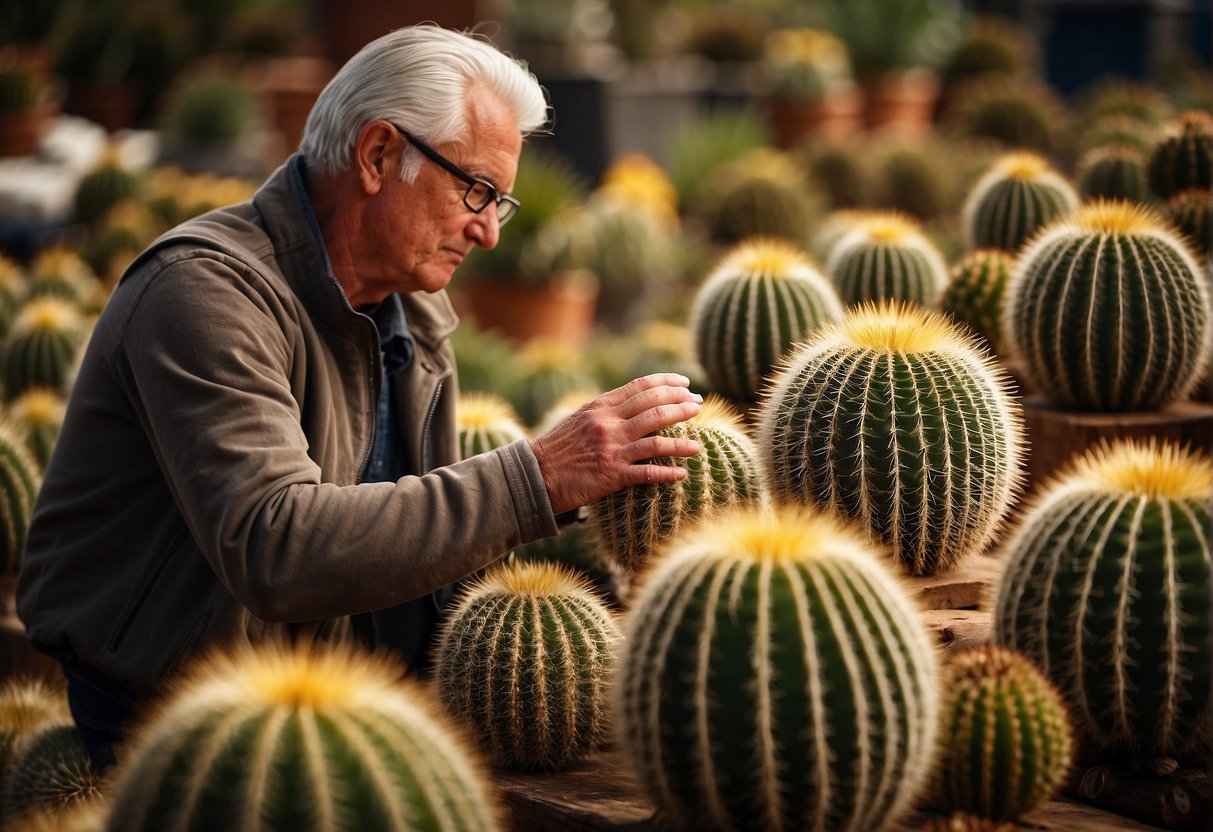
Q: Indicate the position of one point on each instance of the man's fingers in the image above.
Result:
(656, 397)
(656, 418)
(655, 446)
(650, 474)
(638, 386)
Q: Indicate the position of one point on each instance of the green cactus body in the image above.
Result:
(887, 257)
(51, 771)
(762, 194)
(833, 228)
(63, 273)
(896, 418)
(1108, 588)
(1016, 112)
(975, 292)
(548, 371)
(303, 738)
(38, 414)
(1118, 130)
(102, 189)
(1006, 743)
(27, 705)
(1182, 155)
(485, 422)
(1143, 103)
(18, 489)
(630, 524)
(1117, 171)
(1189, 212)
(1018, 195)
(41, 348)
(525, 659)
(1107, 310)
(775, 676)
(764, 296)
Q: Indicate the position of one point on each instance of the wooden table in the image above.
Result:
(601, 796)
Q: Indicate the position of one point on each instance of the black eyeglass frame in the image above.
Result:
(507, 206)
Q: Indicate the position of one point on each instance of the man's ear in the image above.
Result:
(376, 140)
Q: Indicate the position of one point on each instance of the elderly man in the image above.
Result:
(260, 440)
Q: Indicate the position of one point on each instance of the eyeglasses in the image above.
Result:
(480, 193)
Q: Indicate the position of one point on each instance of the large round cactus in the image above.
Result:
(887, 257)
(1108, 310)
(895, 417)
(632, 522)
(485, 421)
(303, 738)
(776, 676)
(1108, 588)
(1182, 157)
(41, 347)
(1006, 740)
(975, 292)
(524, 659)
(763, 296)
(1018, 195)
(18, 490)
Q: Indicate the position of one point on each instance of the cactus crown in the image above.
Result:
(986, 662)
(1146, 468)
(793, 534)
(717, 413)
(766, 257)
(901, 328)
(27, 704)
(1022, 165)
(1119, 217)
(543, 353)
(484, 410)
(889, 228)
(530, 579)
(47, 313)
(39, 406)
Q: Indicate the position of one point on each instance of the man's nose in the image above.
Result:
(484, 229)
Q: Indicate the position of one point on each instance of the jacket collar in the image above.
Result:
(298, 247)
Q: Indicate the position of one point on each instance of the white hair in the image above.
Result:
(415, 77)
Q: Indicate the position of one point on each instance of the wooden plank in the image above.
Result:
(966, 587)
(957, 629)
(600, 796)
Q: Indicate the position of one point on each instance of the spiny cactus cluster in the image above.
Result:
(632, 523)
(776, 676)
(760, 299)
(524, 659)
(1006, 742)
(1183, 156)
(302, 738)
(894, 417)
(1108, 588)
(1014, 198)
(18, 489)
(887, 257)
(485, 421)
(41, 347)
(975, 292)
(1107, 310)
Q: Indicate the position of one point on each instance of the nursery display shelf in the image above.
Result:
(599, 795)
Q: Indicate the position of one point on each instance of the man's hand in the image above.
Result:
(598, 449)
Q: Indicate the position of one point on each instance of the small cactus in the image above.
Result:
(1188, 211)
(887, 257)
(1006, 742)
(102, 188)
(52, 770)
(27, 705)
(485, 422)
(1183, 155)
(775, 675)
(41, 347)
(761, 194)
(1107, 310)
(895, 417)
(19, 487)
(764, 296)
(1107, 588)
(975, 293)
(37, 414)
(1116, 171)
(1017, 112)
(633, 522)
(524, 658)
(547, 370)
(302, 738)
(1015, 197)
(62, 272)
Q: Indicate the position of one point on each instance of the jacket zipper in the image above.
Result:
(425, 430)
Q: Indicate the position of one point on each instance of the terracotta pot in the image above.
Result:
(114, 105)
(837, 116)
(290, 86)
(562, 311)
(903, 103)
(21, 131)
